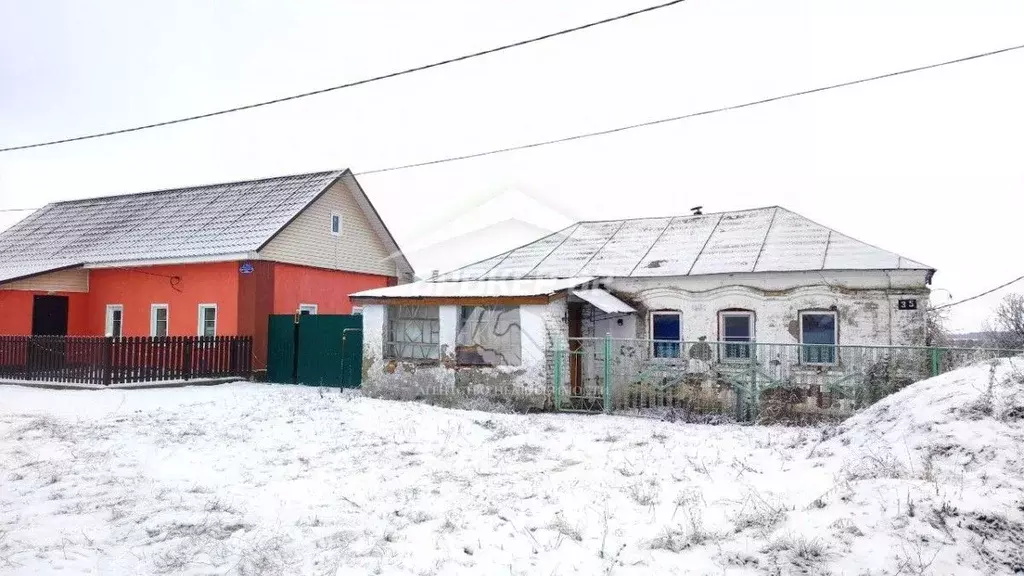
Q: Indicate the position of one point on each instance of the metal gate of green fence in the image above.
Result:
(316, 350)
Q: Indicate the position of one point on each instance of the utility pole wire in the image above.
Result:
(666, 120)
(350, 84)
(692, 114)
(976, 296)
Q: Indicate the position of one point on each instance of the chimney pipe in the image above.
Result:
(697, 210)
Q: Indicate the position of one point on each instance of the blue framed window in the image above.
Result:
(737, 331)
(666, 334)
(818, 336)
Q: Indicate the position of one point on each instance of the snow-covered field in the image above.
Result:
(258, 479)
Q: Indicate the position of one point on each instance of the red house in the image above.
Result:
(207, 260)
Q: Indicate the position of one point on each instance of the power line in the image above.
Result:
(693, 114)
(350, 84)
(976, 296)
(670, 119)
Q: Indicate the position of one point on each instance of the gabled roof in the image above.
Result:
(230, 220)
(770, 239)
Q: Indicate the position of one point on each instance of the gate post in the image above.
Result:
(557, 390)
(936, 354)
(607, 373)
(755, 394)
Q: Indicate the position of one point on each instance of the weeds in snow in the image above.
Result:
(645, 492)
(563, 527)
(806, 549)
(759, 513)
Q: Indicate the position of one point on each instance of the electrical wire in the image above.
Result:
(675, 118)
(692, 114)
(350, 84)
(976, 296)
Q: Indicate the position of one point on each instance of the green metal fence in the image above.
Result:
(742, 380)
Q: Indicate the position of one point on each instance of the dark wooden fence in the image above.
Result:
(120, 360)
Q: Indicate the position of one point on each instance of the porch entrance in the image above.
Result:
(315, 349)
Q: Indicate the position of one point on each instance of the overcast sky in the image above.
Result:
(927, 165)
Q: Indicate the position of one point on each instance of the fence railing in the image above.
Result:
(744, 380)
(105, 361)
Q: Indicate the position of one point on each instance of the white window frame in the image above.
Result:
(650, 333)
(722, 315)
(216, 318)
(108, 330)
(835, 337)
(340, 223)
(311, 308)
(152, 318)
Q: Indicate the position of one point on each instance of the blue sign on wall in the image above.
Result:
(245, 268)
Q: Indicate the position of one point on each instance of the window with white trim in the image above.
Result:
(489, 336)
(413, 333)
(307, 308)
(207, 320)
(736, 330)
(158, 320)
(335, 224)
(819, 333)
(114, 320)
(666, 334)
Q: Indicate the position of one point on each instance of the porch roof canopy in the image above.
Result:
(604, 301)
(498, 289)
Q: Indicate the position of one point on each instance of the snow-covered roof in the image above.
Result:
(769, 239)
(472, 289)
(184, 223)
(604, 301)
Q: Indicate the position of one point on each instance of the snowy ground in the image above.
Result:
(257, 479)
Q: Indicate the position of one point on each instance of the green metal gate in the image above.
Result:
(318, 350)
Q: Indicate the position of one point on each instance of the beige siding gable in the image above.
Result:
(308, 240)
(75, 280)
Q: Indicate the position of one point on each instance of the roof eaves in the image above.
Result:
(40, 273)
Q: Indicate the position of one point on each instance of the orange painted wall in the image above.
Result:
(328, 289)
(138, 288)
(16, 312)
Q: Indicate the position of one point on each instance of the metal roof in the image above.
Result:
(184, 223)
(770, 239)
(482, 289)
(604, 301)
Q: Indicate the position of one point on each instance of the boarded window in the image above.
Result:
(818, 334)
(413, 333)
(489, 336)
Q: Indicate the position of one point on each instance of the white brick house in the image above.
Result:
(761, 275)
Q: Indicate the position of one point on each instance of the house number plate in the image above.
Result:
(908, 304)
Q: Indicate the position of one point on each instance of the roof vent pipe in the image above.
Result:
(697, 210)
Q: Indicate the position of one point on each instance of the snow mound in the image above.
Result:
(955, 445)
